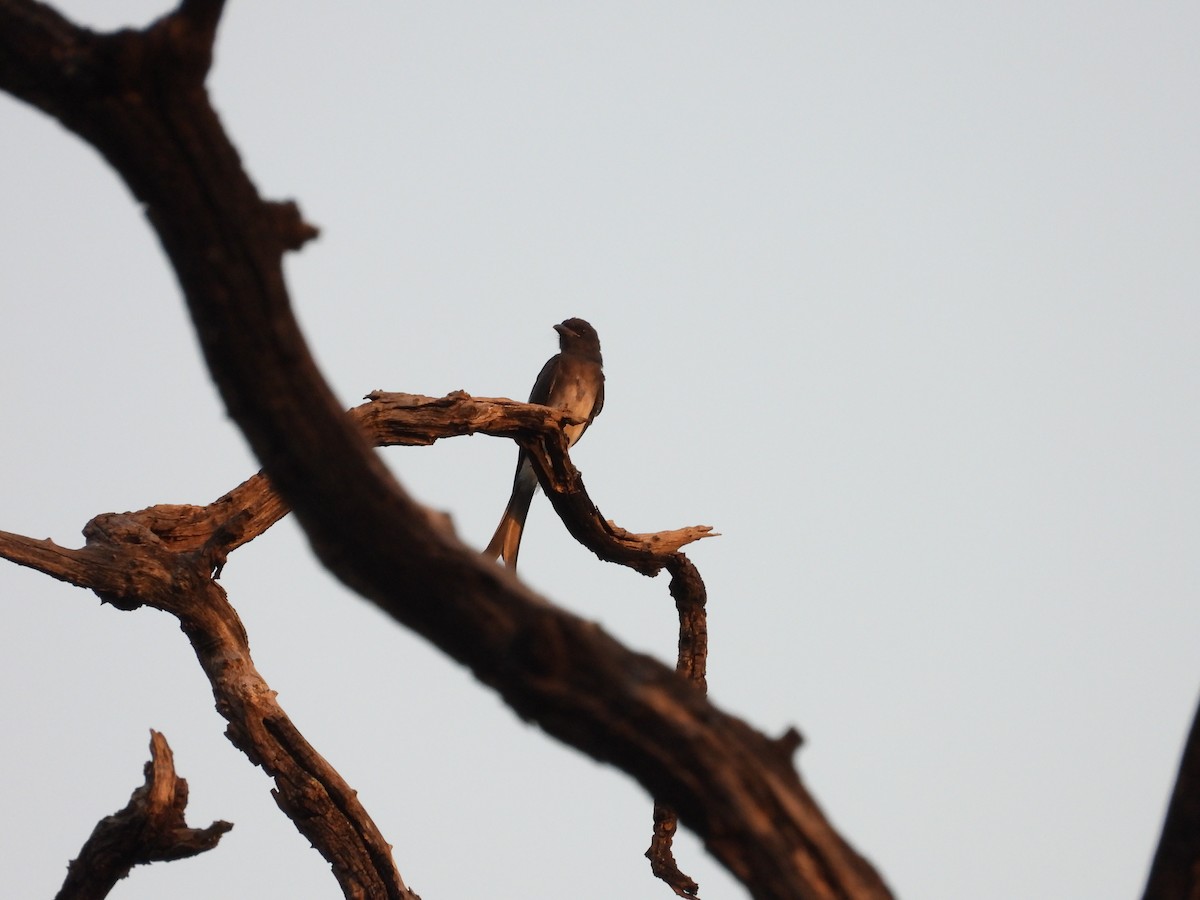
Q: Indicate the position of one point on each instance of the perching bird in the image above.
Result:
(573, 380)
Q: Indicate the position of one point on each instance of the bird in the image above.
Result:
(572, 380)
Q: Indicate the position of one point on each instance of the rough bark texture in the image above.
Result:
(133, 559)
(149, 829)
(140, 559)
(139, 97)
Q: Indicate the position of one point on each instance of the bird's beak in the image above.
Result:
(564, 330)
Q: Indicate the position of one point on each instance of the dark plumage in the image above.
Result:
(572, 379)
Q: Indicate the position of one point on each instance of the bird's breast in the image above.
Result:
(578, 398)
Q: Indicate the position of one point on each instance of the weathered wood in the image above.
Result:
(139, 98)
(150, 828)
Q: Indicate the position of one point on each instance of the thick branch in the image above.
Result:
(412, 419)
(151, 119)
(215, 530)
(244, 513)
(150, 828)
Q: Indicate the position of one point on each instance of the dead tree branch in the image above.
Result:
(413, 419)
(139, 97)
(208, 534)
(149, 829)
(129, 561)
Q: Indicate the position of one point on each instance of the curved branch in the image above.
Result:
(150, 828)
(148, 114)
(389, 419)
(129, 561)
(416, 420)
(248, 510)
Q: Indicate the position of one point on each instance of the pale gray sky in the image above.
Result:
(902, 299)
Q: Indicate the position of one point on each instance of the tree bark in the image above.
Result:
(149, 829)
(139, 98)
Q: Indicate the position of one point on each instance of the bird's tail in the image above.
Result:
(506, 542)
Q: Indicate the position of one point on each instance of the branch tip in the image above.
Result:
(199, 19)
(289, 224)
(789, 742)
(151, 828)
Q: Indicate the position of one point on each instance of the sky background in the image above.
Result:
(900, 298)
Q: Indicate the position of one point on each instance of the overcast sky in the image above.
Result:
(900, 298)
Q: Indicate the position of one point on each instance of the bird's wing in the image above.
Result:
(544, 386)
(599, 404)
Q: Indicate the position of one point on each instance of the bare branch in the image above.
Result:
(662, 860)
(252, 507)
(215, 530)
(129, 561)
(412, 419)
(47, 557)
(728, 782)
(150, 828)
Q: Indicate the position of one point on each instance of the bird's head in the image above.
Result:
(577, 336)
